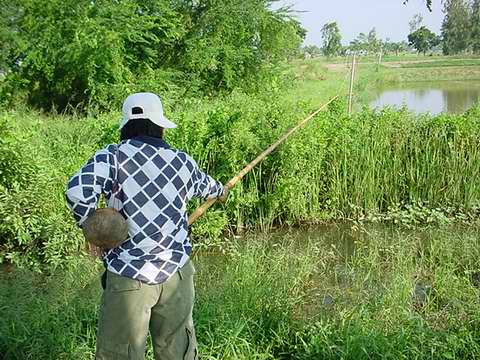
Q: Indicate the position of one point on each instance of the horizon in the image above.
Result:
(393, 23)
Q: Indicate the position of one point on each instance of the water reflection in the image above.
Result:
(433, 97)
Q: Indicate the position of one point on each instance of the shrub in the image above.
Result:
(79, 54)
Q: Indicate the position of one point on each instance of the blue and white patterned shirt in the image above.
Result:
(155, 183)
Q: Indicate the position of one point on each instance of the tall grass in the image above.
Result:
(390, 158)
(326, 293)
(387, 165)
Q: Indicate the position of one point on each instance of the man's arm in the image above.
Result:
(205, 186)
(85, 187)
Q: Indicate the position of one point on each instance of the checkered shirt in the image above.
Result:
(155, 182)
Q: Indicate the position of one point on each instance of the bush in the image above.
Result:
(84, 55)
(385, 166)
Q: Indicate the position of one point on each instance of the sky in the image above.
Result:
(389, 17)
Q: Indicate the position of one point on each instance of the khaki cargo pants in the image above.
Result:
(130, 309)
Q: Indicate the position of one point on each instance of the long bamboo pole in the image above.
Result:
(231, 183)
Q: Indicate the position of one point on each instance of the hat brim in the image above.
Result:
(165, 123)
(161, 121)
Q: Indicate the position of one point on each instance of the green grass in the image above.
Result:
(340, 292)
(442, 63)
(414, 74)
(388, 165)
(346, 293)
(315, 83)
(404, 57)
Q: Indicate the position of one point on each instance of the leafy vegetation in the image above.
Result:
(366, 43)
(346, 167)
(332, 39)
(476, 26)
(90, 55)
(423, 40)
(428, 3)
(456, 26)
(350, 292)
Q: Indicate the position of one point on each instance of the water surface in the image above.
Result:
(430, 97)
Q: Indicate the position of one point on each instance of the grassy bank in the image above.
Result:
(390, 166)
(354, 292)
(348, 293)
(396, 70)
(428, 73)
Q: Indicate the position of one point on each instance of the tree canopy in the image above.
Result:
(367, 43)
(423, 40)
(456, 27)
(475, 23)
(331, 39)
(79, 53)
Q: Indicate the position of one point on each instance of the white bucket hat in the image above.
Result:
(145, 106)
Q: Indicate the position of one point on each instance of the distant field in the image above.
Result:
(428, 72)
(320, 78)
(441, 63)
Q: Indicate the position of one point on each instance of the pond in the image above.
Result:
(433, 97)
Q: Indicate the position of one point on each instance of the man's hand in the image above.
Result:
(94, 251)
(224, 196)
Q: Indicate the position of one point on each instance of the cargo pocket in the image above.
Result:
(187, 270)
(191, 353)
(107, 350)
(116, 283)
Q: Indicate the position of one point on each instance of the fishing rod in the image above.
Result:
(231, 183)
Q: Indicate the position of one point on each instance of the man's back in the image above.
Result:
(150, 184)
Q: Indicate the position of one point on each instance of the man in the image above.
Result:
(149, 278)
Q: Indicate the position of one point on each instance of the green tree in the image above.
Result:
(367, 43)
(395, 47)
(456, 28)
(73, 52)
(423, 40)
(84, 53)
(475, 26)
(312, 50)
(9, 34)
(229, 41)
(332, 39)
(359, 44)
(374, 43)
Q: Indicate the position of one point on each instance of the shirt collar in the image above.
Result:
(157, 142)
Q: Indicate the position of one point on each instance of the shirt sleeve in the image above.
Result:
(85, 187)
(204, 185)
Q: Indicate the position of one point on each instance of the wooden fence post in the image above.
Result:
(350, 95)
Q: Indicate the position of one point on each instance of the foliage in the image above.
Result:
(312, 50)
(367, 43)
(332, 39)
(456, 27)
(395, 47)
(343, 291)
(423, 40)
(475, 23)
(9, 37)
(429, 3)
(36, 228)
(345, 167)
(230, 40)
(85, 54)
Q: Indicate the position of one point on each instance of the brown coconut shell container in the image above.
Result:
(105, 228)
